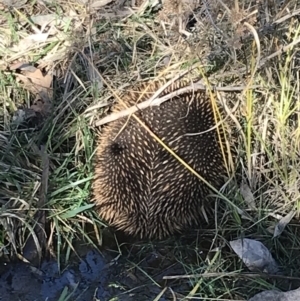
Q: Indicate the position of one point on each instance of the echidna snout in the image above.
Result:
(139, 187)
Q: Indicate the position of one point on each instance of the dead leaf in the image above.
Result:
(52, 21)
(99, 3)
(40, 86)
(22, 66)
(44, 20)
(273, 295)
(255, 255)
(38, 78)
(14, 3)
(283, 223)
(36, 83)
(30, 41)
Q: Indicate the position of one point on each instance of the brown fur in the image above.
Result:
(139, 187)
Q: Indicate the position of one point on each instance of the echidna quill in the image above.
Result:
(142, 189)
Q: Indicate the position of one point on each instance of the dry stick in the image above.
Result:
(288, 16)
(233, 274)
(156, 94)
(153, 101)
(256, 38)
(152, 98)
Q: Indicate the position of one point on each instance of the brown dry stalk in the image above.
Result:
(233, 274)
(155, 101)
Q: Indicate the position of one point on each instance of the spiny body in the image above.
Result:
(139, 187)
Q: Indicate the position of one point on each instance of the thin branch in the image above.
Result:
(231, 274)
(158, 101)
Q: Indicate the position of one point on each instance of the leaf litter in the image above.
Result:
(39, 85)
(255, 255)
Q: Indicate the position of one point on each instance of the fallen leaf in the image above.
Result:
(30, 41)
(273, 295)
(38, 78)
(99, 3)
(14, 3)
(52, 21)
(283, 223)
(36, 82)
(22, 66)
(43, 20)
(40, 86)
(255, 255)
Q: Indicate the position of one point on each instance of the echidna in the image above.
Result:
(139, 187)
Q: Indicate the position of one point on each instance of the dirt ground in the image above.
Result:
(134, 274)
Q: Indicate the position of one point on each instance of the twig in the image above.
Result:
(232, 274)
(157, 93)
(158, 101)
(288, 16)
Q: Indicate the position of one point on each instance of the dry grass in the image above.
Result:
(84, 55)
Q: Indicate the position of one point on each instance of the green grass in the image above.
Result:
(265, 124)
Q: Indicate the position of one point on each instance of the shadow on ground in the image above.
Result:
(124, 270)
(135, 274)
